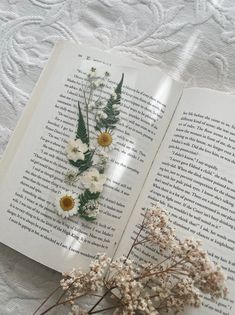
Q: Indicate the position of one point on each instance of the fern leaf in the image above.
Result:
(84, 198)
(118, 89)
(112, 114)
(81, 130)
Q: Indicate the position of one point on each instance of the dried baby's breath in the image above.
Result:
(177, 279)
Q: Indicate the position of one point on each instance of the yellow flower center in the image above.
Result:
(104, 139)
(67, 203)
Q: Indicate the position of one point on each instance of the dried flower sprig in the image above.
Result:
(82, 152)
(179, 276)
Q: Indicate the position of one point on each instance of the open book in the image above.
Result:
(174, 146)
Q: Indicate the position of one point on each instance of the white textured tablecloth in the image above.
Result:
(193, 40)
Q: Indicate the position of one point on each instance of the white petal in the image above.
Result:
(83, 148)
(95, 172)
(99, 187)
(69, 148)
(104, 115)
(92, 188)
(86, 183)
(72, 156)
(80, 156)
(72, 143)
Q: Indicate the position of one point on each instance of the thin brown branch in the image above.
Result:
(61, 303)
(98, 302)
(106, 309)
(49, 296)
(159, 272)
(135, 240)
(65, 291)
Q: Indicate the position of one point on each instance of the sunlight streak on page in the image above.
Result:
(73, 244)
(116, 173)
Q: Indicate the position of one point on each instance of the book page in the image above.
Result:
(193, 178)
(33, 167)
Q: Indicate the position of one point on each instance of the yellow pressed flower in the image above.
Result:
(105, 138)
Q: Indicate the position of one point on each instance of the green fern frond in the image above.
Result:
(84, 198)
(83, 165)
(81, 129)
(112, 114)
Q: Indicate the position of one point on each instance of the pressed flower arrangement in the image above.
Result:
(176, 279)
(88, 156)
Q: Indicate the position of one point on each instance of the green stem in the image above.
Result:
(81, 172)
(87, 110)
(87, 117)
(99, 97)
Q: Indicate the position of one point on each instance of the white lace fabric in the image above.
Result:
(192, 40)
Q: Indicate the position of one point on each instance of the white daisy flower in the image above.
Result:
(92, 208)
(100, 160)
(93, 180)
(105, 139)
(76, 149)
(70, 177)
(67, 204)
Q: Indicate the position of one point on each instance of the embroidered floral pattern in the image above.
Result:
(203, 57)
